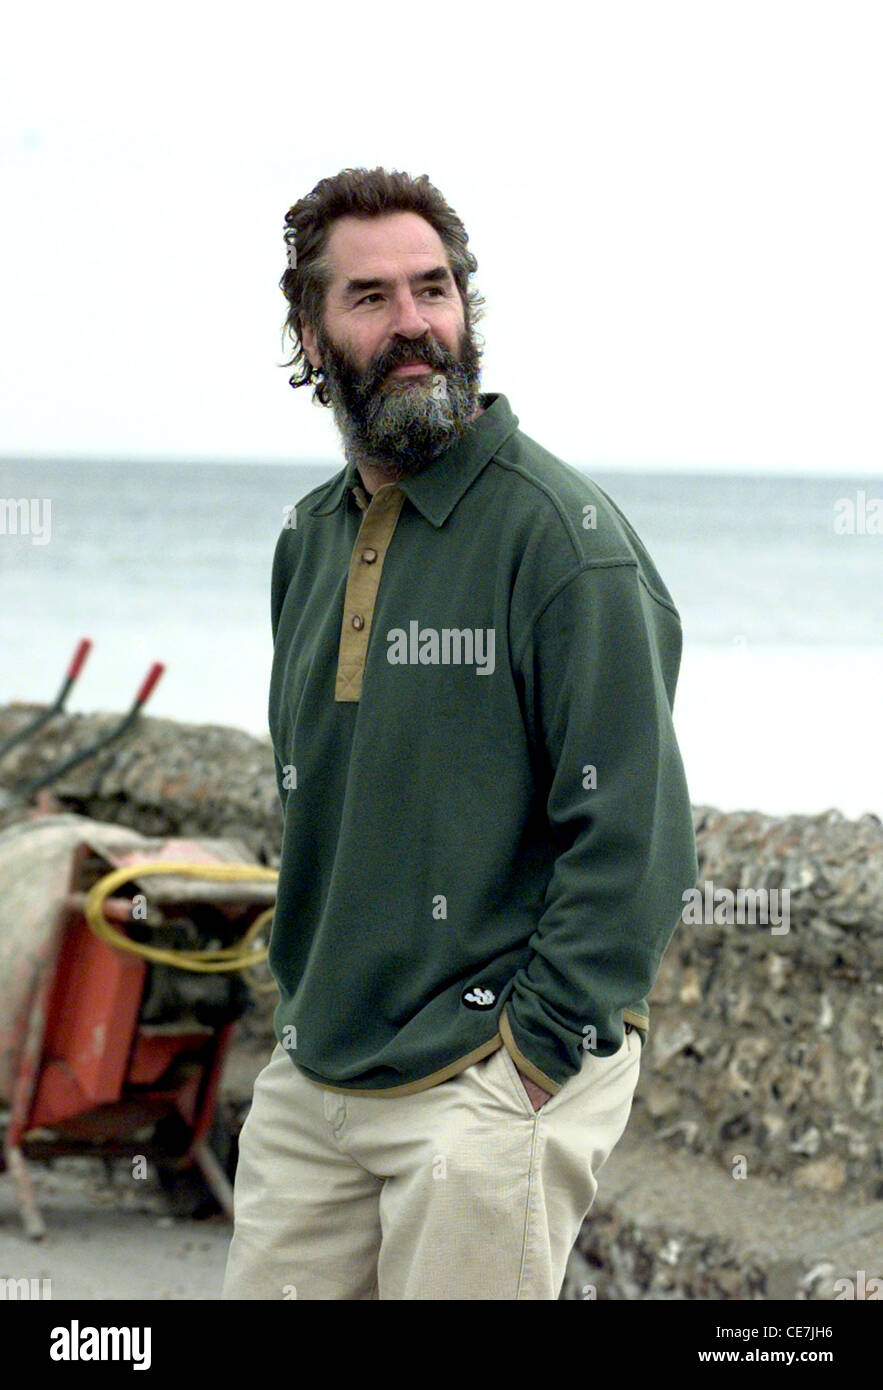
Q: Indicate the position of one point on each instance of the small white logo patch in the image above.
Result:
(478, 998)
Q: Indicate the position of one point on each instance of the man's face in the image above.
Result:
(393, 301)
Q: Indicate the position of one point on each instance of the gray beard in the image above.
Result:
(408, 429)
(398, 426)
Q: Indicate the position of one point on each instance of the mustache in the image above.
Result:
(364, 385)
(428, 353)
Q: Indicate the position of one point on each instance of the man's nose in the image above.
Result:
(408, 320)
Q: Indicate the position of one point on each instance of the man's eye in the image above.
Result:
(430, 289)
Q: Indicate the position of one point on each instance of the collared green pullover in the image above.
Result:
(487, 828)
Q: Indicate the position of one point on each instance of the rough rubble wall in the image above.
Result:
(770, 1045)
(161, 778)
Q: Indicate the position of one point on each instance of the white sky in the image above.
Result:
(676, 209)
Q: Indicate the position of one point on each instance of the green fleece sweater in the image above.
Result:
(487, 828)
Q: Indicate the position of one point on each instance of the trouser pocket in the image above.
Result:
(512, 1078)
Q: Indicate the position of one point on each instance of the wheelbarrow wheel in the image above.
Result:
(186, 1190)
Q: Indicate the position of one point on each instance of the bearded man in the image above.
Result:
(487, 829)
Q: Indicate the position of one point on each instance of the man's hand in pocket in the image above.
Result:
(536, 1095)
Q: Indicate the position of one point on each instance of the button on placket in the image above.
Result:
(368, 557)
(363, 581)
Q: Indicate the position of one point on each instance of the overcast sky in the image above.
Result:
(676, 209)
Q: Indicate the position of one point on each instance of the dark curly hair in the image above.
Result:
(360, 193)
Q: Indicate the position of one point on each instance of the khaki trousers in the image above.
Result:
(461, 1191)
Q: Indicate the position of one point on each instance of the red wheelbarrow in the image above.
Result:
(124, 965)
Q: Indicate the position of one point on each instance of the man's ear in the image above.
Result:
(308, 339)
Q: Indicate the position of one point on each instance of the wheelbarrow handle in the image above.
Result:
(78, 660)
(75, 667)
(36, 784)
(150, 681)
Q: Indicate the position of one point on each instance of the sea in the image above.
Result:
(778, 580)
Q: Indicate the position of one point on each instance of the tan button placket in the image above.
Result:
(363, 581)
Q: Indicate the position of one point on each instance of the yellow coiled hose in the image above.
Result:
(228, 958)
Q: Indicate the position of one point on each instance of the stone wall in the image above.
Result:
(769, 1044)
(160, 778)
